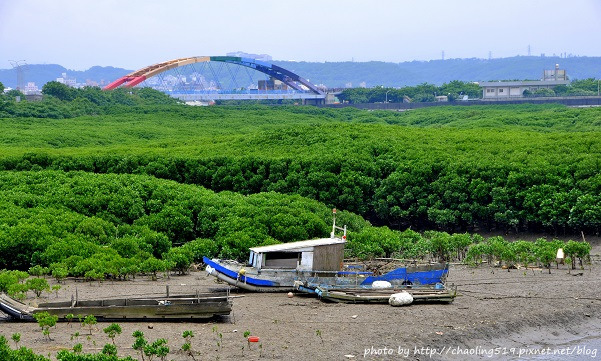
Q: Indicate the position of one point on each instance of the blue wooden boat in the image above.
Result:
(313, 263)
(263, 279)
(276, 268)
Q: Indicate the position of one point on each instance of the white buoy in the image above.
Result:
(400, 299)
(560, 256)
(381, 284)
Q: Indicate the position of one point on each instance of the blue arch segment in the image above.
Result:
(286, 76)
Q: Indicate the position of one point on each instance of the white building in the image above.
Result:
(31, 88)
(515, 89)
(263, 57)
(67, 81)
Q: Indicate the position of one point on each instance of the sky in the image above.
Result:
(132, 34)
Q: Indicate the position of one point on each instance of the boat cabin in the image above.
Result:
(325, 254)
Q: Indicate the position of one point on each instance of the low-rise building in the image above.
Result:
(515, 89)
(272, 84)
(31, 88)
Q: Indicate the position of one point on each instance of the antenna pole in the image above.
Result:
(332, 235)
(334, 227)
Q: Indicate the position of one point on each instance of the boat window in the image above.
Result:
(282, 259)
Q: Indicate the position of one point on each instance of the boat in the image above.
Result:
(372, 295)
(166, 308)
(312, 263)
(276, 268)
(426, 283)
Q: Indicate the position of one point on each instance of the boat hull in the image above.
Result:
(268, 283)
(383, 296)
(165, 308)
(284, 280)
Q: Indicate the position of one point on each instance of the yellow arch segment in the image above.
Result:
(155, 69)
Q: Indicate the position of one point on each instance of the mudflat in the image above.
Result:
(498, 314)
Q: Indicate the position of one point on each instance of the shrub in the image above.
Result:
(37, 285)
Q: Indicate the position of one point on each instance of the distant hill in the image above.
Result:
(371, 73)
(43, 73)
(441, 71)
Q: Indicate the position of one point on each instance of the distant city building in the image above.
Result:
(555, 74)
(322, 87)
(242, 54)
(272, 84)
(67, 81)
(31, 88)
(515, 89)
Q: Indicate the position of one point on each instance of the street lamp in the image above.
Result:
(387, 96)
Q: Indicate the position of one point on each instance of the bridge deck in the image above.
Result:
(218, 96)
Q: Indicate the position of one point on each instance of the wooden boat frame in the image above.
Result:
(362, 295)
(165, 308)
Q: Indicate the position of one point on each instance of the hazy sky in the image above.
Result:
(134, 33)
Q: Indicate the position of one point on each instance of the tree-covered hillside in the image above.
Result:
(505, 167)
(437, 72)
(49, 217)
(108, 184)
(43, 73)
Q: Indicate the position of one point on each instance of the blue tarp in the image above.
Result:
(416, 278)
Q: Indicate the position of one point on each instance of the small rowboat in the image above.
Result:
(181, 307)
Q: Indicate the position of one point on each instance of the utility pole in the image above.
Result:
(19, 66)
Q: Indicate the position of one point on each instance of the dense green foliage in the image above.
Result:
(21, 354)
(419, 93)
(94, 226)
(529, 168)
(82, 196)
(61, 101)
(455, 90)
(542, 252)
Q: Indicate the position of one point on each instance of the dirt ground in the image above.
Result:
(495, 310)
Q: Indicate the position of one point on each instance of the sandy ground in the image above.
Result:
(496, 311)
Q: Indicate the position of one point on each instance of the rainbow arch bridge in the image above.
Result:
(207, 78)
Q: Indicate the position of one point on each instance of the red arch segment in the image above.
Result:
(129, 81)
(286, 76)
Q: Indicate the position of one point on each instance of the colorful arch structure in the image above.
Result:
(286, 76)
